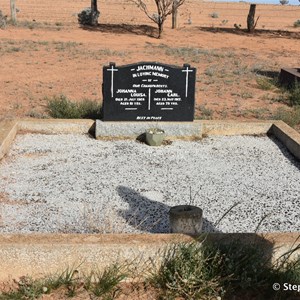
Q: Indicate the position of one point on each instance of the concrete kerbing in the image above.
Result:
(212, 127)
(288, 136)
(182, 130)
(56, 125)
(38, 255)
(123, 130)
(8, 131)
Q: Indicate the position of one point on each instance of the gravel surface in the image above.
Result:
(73, 183)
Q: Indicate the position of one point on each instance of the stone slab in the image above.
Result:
(55, 126)
(222, 127)
(8, 131)
(38, 255)
(180, 130)
(288, 136)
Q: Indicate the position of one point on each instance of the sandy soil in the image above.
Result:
(42, 59)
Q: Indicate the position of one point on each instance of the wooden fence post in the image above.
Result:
(13, 11)
(250, 18)
(95, 15)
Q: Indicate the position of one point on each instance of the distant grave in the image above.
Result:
(289, 76)
(148, 91)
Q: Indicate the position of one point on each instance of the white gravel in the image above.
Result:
(73, 183)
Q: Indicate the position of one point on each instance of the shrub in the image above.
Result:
(297, 23)
(106, 283)
(224, 22)
(204, 113)
(214, 15)
(62, 108)
(289, 116)
(294, 95)
(265, 84)
(3, 20)
(88, 17)
(211, 270)
(290, 94)
(186, 273)
(69, 281)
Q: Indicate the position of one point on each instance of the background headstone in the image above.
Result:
(289, 76)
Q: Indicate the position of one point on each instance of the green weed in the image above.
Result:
(265, 84)
(29, 24)
(204, 113)
(246, 95)
(210, 71)
(211, 270)
(27, 289)
(35, 114)
(186, 273)
(62, 108)
(214, 15)
(297, 23)
(15, 49)
(65, 46)
(257, 113)
(106, 283)
(30, 289)
(203, 269)
(289, 116)
(294, 95)
(224, 22)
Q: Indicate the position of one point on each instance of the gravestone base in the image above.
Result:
(181, 130)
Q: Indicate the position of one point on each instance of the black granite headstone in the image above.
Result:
(148, 91)
(289, 76)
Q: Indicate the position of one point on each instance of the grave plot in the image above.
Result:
(75, 184)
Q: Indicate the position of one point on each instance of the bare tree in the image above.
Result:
(164, 8)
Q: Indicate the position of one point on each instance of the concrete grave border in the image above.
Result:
(40, 254)
(181, 130)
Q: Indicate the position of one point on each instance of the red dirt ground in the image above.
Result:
(41, 60)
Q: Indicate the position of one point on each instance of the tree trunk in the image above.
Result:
(94, 16)
(250, 19)
(160, 29)
(13, 11)
(174, 14)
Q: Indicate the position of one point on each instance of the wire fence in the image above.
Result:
(192, 13)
